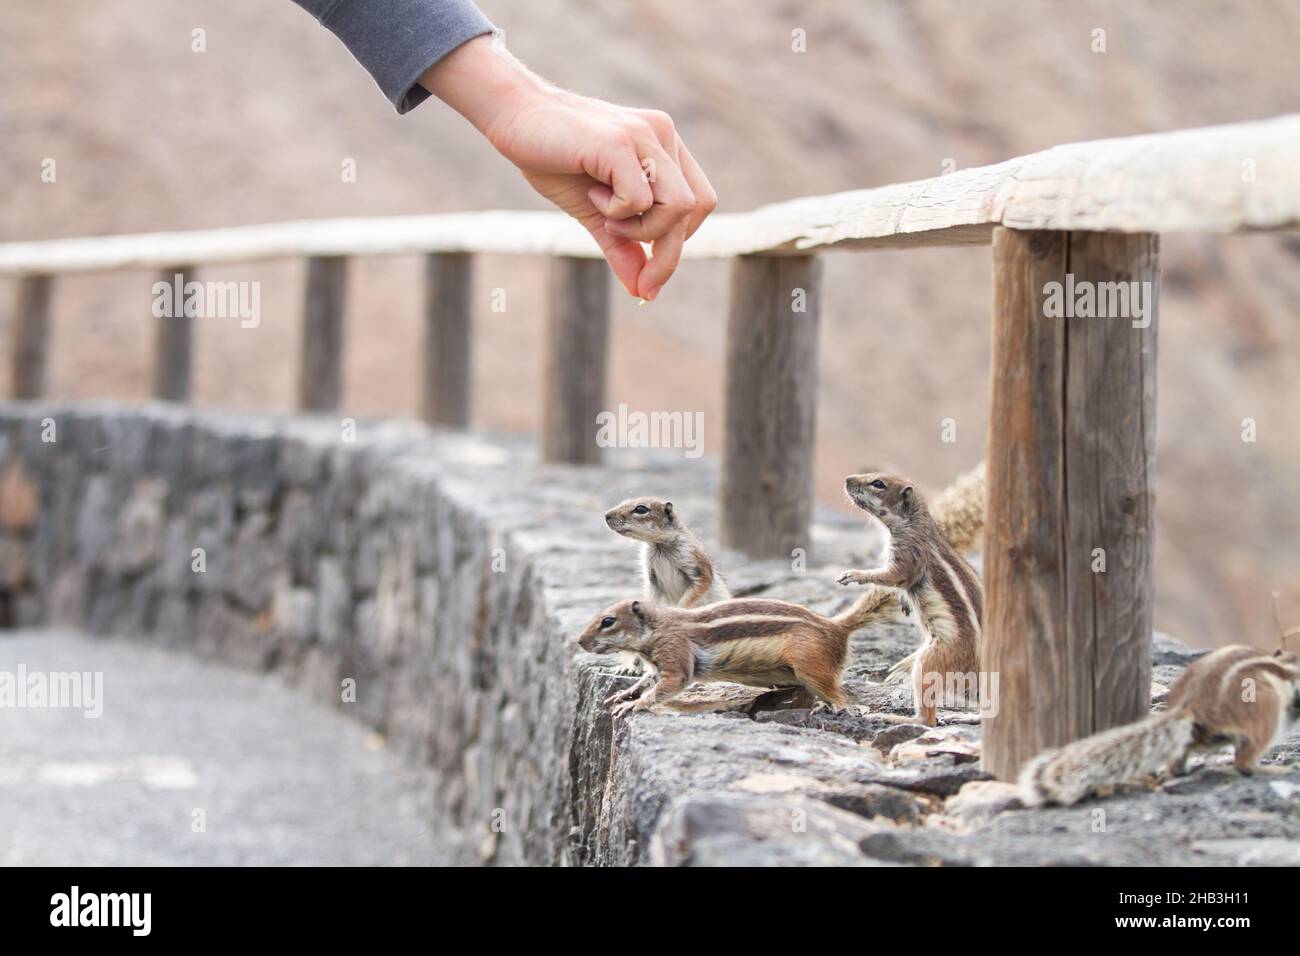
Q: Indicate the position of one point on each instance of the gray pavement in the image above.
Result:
(279, 780)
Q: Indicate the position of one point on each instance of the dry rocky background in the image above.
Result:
(149, 135)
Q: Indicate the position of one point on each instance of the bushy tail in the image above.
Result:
(959, 511)
(1114, 756)
(876, 605)
(902, 670)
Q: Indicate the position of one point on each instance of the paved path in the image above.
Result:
(279, 780)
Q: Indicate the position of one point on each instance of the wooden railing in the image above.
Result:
(1071, 437)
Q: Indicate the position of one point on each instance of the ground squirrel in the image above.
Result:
(1236, 695)
(677, 569)
(761, 643)
(932, 580)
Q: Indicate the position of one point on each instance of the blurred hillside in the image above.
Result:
(150, 135)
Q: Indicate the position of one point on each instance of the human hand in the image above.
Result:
(623, 173)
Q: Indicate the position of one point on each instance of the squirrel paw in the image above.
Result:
(850, 577)
(622, 695)
(1275, 768)
(621, 710)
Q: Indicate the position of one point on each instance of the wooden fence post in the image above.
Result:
(448, 339)
(320, 376)
(31, 337)
(573, 375)
(1070, 491)
(173, 343)
(771, 404)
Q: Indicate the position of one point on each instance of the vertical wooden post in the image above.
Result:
(320, 379)
(31, 336)
(1070, 473)
(448, 339)
(173, 343)
(771, 404)
(573, 375)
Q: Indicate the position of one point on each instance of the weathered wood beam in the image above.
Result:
(173, 343)
(771, 405)
(448, 339)
(320, 376)
(31, 337)
(1219, 179)
(574, 370)
(1070, 525)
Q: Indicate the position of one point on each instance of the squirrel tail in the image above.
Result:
(901, 670)
(872, 607)
(959, 511)
(1114, 756)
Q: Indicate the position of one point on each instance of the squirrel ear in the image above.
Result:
(636, 609)
(668, 508)
(907, 492)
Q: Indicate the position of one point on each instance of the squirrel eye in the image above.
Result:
(877, 484)
(606, 623)
(640, 510)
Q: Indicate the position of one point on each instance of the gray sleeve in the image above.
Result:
(397, 40)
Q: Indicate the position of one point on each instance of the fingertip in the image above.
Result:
(649, 286)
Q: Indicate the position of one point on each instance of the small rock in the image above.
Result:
(294, 613)
(727, 829)
(19, 499)
(784, 698)
(981, 800)
(1167, 650)
(140, 528)
(95, 522)
(935, 741)
(942, 776)
(1253, 852)
(872, 801)
(890, 737)
(333, 602)
(771, 783)
(1284, 788)
(15, 564)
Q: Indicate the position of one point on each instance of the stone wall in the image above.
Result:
(321, 559)
(444, 576)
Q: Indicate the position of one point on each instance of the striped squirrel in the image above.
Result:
(676, 567)
(1235, 695)
(679, 571)
(758, 642)
(932, 579)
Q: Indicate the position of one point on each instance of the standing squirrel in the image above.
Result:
(761, 643)
(933, 580)
(677, 569)
(1235, 695)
